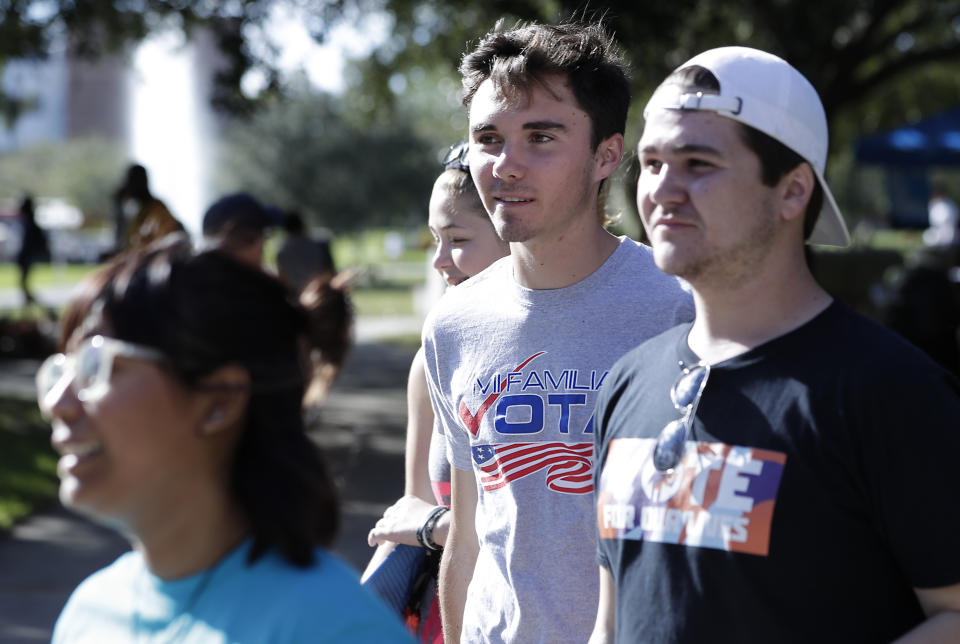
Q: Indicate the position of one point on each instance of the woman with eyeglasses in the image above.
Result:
(466, 243)
(176, 410)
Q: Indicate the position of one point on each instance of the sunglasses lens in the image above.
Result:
(49, 374)
(88, 364)
(685, 390)
(670, 446)
(90, 380)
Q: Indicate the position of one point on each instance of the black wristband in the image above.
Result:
(425, 532)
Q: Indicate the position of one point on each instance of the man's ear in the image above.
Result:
(607, 157)
(225, 393)
(797, 188)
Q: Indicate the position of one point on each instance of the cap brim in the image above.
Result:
(830, 229)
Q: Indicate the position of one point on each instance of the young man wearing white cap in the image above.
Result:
(778, 470)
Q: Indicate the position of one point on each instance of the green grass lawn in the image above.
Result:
(382, 301)
(28, 465)
(407, 341)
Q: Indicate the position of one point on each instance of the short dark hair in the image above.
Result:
(206, 310)
(776, 159)
(583, 52)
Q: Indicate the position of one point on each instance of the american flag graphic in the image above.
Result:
(569, 465)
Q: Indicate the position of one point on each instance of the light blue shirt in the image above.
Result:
(268, 601)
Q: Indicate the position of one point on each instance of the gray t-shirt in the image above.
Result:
(513, 376)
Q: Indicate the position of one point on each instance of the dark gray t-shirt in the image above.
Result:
(815, 493)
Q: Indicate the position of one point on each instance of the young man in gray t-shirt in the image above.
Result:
(515, 355)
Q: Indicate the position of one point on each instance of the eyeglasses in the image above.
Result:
(456, 157)
(89, 366)
(685, 394)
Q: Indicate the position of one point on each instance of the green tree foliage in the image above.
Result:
(858, 53)
(875, 63)
(303, 153)
(92, 28)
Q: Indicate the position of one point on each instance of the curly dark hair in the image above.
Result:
(585, 53)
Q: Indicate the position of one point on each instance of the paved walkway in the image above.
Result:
(360, 427)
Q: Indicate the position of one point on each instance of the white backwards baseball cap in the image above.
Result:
(765, 92)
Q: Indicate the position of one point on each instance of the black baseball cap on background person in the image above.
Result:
(239, 211)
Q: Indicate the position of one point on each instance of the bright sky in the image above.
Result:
(324, 63)
(170, 132)
(166, 132)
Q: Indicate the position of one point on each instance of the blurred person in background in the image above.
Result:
(301, 257)
(139, 217)
(237, 225)
(34, 247)
(177, 414)
(466, 243)
(920, 300)
(944, 220)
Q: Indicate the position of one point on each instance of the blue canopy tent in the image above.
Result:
(932, 141)
(907, 152)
